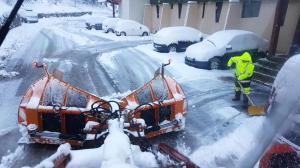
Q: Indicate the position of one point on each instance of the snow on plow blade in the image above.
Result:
(54, 112)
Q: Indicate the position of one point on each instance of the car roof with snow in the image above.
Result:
(169, 31)
(223, 37)
(169, 35)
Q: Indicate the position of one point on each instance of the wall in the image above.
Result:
(208, 24)
(262, 25)
(288, 30)
(132, 9)
(230, 18)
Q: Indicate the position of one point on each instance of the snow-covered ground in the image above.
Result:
(215, 125)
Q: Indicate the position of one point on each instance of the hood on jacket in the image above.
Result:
(246, 57)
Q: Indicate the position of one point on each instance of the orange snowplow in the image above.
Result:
(54, 112)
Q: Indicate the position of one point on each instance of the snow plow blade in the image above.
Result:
(256, 110)
(50, 107)
(176, 156)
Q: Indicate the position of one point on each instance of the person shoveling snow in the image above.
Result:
(244, 69)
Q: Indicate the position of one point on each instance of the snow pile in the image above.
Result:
(109, 59)
(171, 35)
(6, 130)
(228, 150)
(5, 74)
(63, 150)
(50, 7)
(8, 160)
(4, 7)
(285, 101)
(114, 153)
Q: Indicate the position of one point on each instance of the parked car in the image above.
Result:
(109, 24)
(28, 16)
(173, 39)
(95, 23)
(131, 28)
(215, 51)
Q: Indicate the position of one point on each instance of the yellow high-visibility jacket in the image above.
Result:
(244, 66)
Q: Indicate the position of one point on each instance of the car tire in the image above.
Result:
(214, 63)
(110, 30)
(123, 34)
(145, 34)
(172, 48)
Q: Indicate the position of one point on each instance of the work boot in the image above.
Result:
(237, 96)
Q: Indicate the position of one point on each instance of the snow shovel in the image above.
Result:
(253, 110)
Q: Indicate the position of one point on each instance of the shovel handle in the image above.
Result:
(242, 88)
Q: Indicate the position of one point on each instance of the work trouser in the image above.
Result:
(246, 90)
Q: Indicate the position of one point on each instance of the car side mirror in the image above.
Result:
(228, 47)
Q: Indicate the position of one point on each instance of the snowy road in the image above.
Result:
(104, 67)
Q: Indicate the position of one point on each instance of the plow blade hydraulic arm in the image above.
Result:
(176, 156)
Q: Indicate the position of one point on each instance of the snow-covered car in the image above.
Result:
(109, 24)
(131, 28)
(95, 23)
(28, 16)
(178, 38)
(215, 51)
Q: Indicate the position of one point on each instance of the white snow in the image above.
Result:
(6, 130)
(131, 27)
(4, 7)
(284, 101)
(115, 152)
(63, 150)
(110, 23)
(9, 159)
(180, 71)
(108, 59)
(89, 125)
(228, 150)
(171, 35)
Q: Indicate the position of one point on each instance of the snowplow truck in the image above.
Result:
(54, 112)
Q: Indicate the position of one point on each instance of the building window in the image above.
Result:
(218, 11)
(203, 11)
(251, 8)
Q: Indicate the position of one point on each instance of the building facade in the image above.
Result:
(132, 9)
(210, 16)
